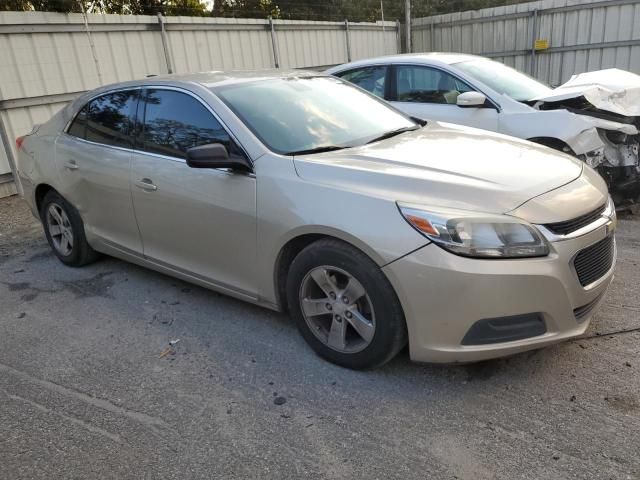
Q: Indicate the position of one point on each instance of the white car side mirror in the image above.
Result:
(471, 99)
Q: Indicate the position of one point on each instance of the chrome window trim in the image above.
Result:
(158, 155)
(226, 171)
(154, 87)
(103, 145)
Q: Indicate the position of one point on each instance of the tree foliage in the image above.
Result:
(124, 7)
(353, 10)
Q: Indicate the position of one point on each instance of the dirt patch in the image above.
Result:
(20, 232)
(96, 286)
(40, 255)
(17, 286)
(623, 403)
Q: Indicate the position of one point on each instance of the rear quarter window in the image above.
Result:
(107, 119)
(79, 125)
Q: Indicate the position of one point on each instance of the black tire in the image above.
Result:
(81, 252)
(390, 334)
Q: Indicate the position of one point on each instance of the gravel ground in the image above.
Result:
(85, 391)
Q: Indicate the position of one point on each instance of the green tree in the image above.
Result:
(125, 7)
(354, 10)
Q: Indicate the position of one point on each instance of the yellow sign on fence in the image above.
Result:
(541, 44)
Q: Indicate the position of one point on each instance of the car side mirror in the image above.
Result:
(215, 155)
(471, 100)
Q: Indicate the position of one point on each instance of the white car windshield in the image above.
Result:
(295, 115)
(505, 80)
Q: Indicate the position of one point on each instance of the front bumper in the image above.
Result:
(444, 295)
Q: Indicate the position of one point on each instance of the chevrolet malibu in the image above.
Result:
(300, 192)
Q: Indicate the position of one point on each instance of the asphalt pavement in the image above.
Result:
(89, 387)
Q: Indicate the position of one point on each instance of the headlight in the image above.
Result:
(476, 234)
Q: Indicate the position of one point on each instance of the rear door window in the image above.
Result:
(372, 79)
(109, 119)
(175, 122)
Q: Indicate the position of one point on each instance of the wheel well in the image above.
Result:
(41, 191)
(554, 143)
(290, 250)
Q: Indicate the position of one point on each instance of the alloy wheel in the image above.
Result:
(337, 309)
(60, 229)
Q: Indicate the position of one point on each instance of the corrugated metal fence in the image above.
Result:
(46, 59)
(573, 36)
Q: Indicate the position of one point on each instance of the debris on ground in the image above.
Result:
(279, 400)
(170, 349)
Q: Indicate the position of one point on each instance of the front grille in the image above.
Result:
(570, 226)
(594, 261)
(581, 312)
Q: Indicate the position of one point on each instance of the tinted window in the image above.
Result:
(427, 85)
(109, 118)
(174, 122)
(300, 113)
(371, 79)
(79, 125)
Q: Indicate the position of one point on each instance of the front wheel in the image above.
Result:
(344, 306)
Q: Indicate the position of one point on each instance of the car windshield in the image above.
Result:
(309, 114)
(505, 80)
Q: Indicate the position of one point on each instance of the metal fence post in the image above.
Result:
(9, 152)
(165, 43)
(398, 37)
(274, 45)
(407, 21)
(432, 35)
(534, 27)
(348, 39)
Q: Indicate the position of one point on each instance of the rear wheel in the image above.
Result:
(344, 306)
(64, 230)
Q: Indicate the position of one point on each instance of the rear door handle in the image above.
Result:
(71, 165)
(146, 184)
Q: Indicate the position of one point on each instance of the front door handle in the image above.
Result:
(71, 165)
(146, 184)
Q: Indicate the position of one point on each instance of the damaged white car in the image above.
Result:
(595, 116)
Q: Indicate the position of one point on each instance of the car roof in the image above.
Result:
(209, 79)
(431, 58)
(219, 77)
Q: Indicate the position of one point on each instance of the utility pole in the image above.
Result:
(407, 23)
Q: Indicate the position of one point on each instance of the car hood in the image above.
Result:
(445, 165)
(612, 90)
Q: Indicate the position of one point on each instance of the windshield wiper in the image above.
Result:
(326, 148)
(393, 133)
